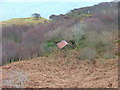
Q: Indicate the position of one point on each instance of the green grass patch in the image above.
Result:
(23, 21)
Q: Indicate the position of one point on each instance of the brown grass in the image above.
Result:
(58, 71)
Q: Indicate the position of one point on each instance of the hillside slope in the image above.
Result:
(101, 8)
(57, 71)
(62, 68)
(105, 9)
(23, 21)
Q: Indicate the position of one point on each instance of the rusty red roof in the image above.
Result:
(62, 44)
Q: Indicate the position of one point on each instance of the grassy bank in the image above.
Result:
(23, 21)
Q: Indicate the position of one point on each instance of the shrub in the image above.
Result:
(63, 23)
(54, 36)
(9, 51)
(102, 22)
(108, 55)
(78, 34)
(87, 53)
(94, 35)
(100, 42)
(98, 46)
(26, 42)
(14, 32)
(72, 33)
(48, 47)
(33, 39)
(25, 53)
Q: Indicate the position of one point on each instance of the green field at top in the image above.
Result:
(23, 21)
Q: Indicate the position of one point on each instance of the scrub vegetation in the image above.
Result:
(31, 58)
(91, 30)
